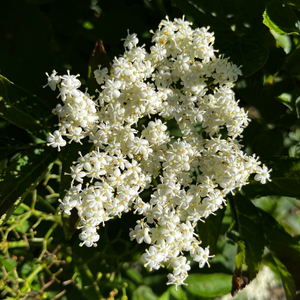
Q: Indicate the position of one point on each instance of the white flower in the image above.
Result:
(262, 174)
(189, 175)
(56, 140)
(130, 41)
(53, 80)
(152, 258)
(89, 239)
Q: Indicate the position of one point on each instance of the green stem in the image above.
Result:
(30, 278)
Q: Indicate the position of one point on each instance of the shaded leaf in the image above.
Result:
(249, 51)
(250, 227)
(210, 230)
(22, 176)
(284, 248)
(292, 62)
(208, 285)
(23, 109)
(285, 177)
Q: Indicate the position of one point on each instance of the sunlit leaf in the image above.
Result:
(281, 18)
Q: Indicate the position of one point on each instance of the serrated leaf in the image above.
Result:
(210, 230)
(250, 227)
(23, 109)
(22, 176)
(280, 17)
(208, 285)
(283, 247)
(285, 178)
(282, 274)
(286, 279)
(269, 261)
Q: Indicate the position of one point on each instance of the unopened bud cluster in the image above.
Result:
(179, 79)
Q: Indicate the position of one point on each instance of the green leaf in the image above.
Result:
(172, 294)
(286, 279)
(250, 227)
(208, 285)
(284, 249)
(269, 261)
(22, 176)
(8, 263)
(134, 275)
(144, 292)
(239, 280)
(210, 230)
(285, 178)
(240, 257)
(23, 109)
(282, 273)
(292, 62)
(281, 18)
(249, 51)
(284, 41)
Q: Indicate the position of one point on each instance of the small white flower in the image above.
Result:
(53, 80)
(263, 174)
(56, 140)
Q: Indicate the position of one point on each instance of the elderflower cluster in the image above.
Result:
(127, 124)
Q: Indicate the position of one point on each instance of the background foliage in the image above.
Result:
(40, 257)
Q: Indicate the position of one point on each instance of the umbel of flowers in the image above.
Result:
(180, 79)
